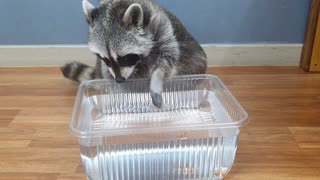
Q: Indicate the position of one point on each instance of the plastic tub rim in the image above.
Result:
(82, 134)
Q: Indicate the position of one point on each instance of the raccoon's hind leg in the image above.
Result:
(78, 72)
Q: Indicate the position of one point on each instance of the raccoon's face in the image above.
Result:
(117, 37)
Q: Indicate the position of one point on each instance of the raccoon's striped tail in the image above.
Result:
(78, 72)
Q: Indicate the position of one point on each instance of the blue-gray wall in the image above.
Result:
(35, 22)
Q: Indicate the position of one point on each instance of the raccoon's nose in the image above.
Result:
(120, 79)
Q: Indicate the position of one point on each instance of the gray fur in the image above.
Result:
(160, 40)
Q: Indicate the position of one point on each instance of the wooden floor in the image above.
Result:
(282, 140)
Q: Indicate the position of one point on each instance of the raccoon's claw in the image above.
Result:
(156, 99)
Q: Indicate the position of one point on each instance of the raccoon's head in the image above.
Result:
(117, 35)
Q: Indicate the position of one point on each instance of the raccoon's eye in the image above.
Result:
(133, 57)
(129, 60)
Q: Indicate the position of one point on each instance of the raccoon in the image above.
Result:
(137, 39)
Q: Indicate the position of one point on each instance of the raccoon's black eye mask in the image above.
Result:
(129, 60)
(123, 61)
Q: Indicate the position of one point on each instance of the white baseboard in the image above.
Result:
(218, 55)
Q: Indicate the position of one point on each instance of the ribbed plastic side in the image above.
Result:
(136, 98)
(181, 159)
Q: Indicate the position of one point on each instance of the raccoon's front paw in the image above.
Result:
(156, 99)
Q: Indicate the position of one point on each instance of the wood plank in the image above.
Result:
(36, 101)
(275, 156)
(53, 138)
(280, 140)
(310, 35)
(273, 173)
(282, 118)
(306, 137)
(6, 117)
(39, 160)
(80, 169)
(72, 177)
(28, 176)
(30, 90)
(7, 133)
(14, 143)
(250, 129)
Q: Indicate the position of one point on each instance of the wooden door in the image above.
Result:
(310, 59)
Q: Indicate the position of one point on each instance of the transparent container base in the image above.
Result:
(188, 159)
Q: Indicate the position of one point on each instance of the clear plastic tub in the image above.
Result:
(123, 136)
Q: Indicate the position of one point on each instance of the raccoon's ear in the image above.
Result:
(87, 9)
(133, 15)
